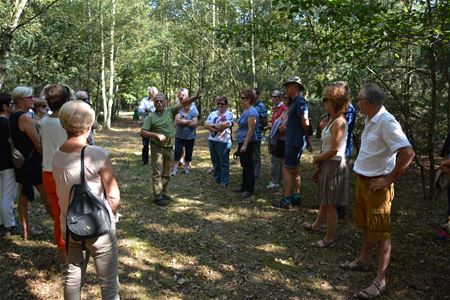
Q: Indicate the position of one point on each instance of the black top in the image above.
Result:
(20, 138)
(446, 147)
(5, 150)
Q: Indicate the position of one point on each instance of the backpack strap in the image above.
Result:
(82, 176)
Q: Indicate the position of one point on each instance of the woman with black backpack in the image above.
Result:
(77, 118)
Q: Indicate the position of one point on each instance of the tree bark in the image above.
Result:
(111, 65)
(102, 67)
(7, 36)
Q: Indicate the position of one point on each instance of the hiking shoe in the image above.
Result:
(272, 185)
(162, 200)
(283, 203)
(246, 194)
(13, 230)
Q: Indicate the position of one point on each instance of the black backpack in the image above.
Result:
(87, 215)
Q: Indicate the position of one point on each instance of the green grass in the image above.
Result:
(212, 244)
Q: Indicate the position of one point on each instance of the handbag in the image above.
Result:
(17, 157)
(442, 181)
(87, 214)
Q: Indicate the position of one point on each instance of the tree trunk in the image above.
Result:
(111, 65)
(252, 45)
(90, 50)
(433, 107)
(102, 67)
(7, 36)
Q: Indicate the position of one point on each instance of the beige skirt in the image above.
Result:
(332, 187)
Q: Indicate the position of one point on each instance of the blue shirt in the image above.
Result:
(262, 114)
(183, 131)
(243, 124)
(295, 136)
(350, 116)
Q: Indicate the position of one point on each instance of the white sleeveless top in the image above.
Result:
(326, 141)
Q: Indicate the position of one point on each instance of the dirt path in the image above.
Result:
(210, 244)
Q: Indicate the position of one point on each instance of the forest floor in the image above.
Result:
(210, 244)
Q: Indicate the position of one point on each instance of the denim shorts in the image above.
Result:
(292, 156)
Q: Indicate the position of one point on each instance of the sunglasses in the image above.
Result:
(220, 104)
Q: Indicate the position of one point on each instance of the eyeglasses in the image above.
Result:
(274, 96)
(28, 97)
(220, 104)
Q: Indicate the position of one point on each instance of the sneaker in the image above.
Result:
(174, 172)
(211, 171)
(284, 203)
(272, 185)
(13, 230)
(296, 200)
(246, 194)
(161, 200)
(186, 171)
(442, 235)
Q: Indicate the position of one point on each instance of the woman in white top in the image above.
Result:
(332, 169)
(77, 118)
(53, 136)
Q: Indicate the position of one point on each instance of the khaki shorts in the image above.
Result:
(373, 210)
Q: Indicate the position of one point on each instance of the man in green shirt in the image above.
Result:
(159, 128)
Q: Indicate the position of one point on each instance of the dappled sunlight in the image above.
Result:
(272, 248)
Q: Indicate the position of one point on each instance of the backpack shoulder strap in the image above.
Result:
(82, 175)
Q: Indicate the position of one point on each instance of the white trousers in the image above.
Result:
(8, 190)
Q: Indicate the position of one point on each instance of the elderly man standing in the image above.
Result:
(384, 155)
(277, 110)
(296, 138)
(145, 107)
(159, 127)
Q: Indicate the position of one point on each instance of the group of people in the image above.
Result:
(51, 144)
(50, 132)
(384, 154)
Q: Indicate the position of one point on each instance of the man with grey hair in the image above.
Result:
(384, 155)
(276, 162)
(145, 107)
(159, 127)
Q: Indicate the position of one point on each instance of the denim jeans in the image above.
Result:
(220, 157)
(188, 146)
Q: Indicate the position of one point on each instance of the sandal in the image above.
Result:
(372, 291)
(355, 265)
(323, 244)
(309, 227)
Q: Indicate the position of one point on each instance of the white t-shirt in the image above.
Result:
(52, 136)
(215, 118)
(146, 103)
(66, 172)
(381, 139)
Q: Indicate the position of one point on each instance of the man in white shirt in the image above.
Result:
(145, 107)
(384, 155)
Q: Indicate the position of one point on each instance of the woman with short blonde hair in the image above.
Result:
(26, 139)
(77, 118)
